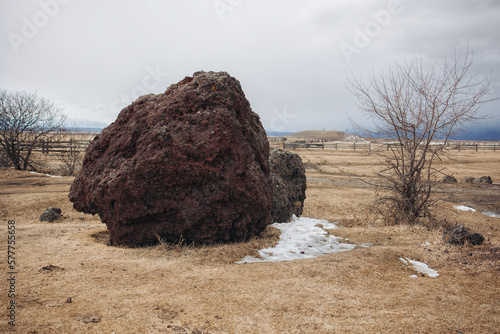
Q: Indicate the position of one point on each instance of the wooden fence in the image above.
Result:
(461, 147)
(366, 146)
(332, 146)
(72, 145)
(294, 146)
(61, 146)
(475, 147)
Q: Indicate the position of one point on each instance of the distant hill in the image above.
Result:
(483, 133)
(319, 135)
(474, 133)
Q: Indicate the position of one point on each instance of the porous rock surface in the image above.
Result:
(191, 162)
(288, 177)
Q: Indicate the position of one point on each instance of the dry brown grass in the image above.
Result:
(182, 289)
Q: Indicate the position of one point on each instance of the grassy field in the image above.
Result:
(177, 289)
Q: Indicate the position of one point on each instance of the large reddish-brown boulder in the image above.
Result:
(191, 162)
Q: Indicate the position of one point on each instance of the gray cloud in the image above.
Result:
(97, 56)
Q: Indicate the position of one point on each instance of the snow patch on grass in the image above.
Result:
(464, 208)
(420, 267)
(302, 238)
(44, 174)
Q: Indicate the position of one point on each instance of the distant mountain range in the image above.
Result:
(472, 133)
(480, 133)
(477, 133)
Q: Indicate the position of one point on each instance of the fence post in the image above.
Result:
(476, 147)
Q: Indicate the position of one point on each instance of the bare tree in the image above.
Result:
(418, 109)
(24, 120)
(72, 156)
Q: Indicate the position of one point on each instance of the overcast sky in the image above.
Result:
(291, 57)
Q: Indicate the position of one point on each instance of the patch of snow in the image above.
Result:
(302, 238)
(464, 208)
(426, 244)
(44, 174)
(413, 276)
(420, 267)
(491, 214)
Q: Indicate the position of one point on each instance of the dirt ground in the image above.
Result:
(69, 281)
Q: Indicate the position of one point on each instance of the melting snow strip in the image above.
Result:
(420, 267)
(44, 174)
(464, 208)
(302, 238)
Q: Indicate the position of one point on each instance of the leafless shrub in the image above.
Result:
(417, 110)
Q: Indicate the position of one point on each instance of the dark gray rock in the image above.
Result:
(467, 179)
(483, 179)
(50, 215)
(449, 179)
(288, 177)
(459, 235)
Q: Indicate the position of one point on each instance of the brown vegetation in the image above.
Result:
(181, 289)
